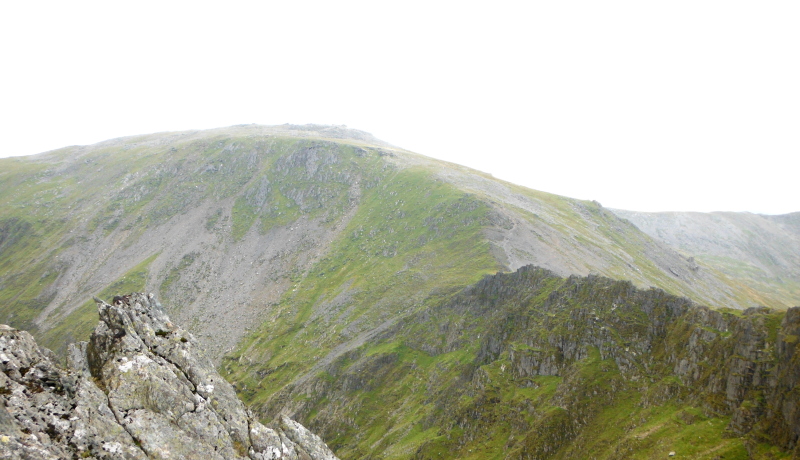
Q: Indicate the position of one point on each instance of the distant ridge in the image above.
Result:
(760, 250)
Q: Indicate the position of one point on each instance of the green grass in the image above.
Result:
(373, 259)
(404, 402)
(392, 249)
(117, 191)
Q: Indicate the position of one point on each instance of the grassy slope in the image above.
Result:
(111, 194)
(392, 256)
(35, 218)
(594, 240)
(767, 290)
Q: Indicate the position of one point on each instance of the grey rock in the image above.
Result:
(140, 388)
(310, 443)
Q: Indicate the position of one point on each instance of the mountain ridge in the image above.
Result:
(531, 365)
(205, 190)
(288, 251)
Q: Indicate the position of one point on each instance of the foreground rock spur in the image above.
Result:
(140, 388)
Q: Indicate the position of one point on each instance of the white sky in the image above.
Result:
(643, 105)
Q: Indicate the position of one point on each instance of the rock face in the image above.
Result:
(138, 389)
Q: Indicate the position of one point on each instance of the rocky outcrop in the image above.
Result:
(782, 411)
(738, 364)
(578, 367)
(138, 389)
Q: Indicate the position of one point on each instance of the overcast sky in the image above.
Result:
(643, 105)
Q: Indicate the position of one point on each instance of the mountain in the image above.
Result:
(138, 389)
(289, 250)
(532, 365)
(763, 252)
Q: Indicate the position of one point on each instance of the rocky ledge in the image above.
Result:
(140, 388)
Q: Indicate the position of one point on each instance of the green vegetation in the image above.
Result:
(376, 324)
(392, 256)
(521, 365)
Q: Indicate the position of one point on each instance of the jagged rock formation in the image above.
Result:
(140, 388)
(530, 365)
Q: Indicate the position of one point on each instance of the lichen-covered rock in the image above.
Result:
(307, 441)
(50, 412)
(139, 389)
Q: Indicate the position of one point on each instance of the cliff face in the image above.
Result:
(138, 389)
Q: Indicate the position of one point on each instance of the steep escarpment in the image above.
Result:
(140, 388)
(531, 365)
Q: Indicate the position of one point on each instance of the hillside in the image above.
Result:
(288, 250)
(531, 365)
(761, 251)
(232, 220)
